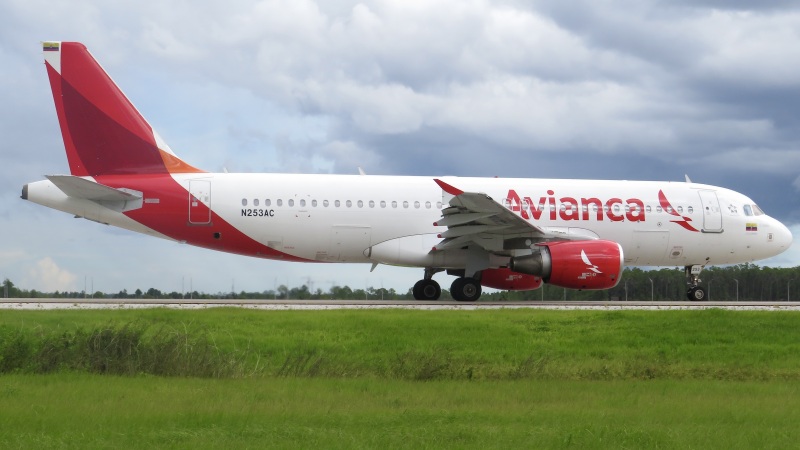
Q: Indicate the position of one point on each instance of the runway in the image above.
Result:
(69, 303)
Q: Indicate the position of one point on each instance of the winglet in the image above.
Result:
(447, 188)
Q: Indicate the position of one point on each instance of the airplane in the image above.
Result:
(502, 233)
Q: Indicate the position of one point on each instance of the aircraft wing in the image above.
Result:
(475, 218)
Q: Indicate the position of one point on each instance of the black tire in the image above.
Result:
(426, 290)
(465, 289)
(696, 294)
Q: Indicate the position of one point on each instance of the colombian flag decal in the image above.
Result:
(50, 46)
(751, 227)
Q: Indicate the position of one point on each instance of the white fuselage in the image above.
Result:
(338, 218)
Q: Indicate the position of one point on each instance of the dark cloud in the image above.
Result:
(587, 89)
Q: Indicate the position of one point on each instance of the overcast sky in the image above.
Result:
(551, 89)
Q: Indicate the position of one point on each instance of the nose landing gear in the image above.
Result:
(695, 293)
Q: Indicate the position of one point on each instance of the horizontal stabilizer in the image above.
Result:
(78, 187)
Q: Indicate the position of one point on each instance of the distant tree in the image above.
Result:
(9, 290)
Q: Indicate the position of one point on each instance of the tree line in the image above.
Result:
(743, 282)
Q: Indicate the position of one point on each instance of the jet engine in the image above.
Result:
(574, 264)
(505, 279)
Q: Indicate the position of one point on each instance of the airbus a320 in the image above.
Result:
(502, 233)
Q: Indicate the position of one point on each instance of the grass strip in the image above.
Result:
(408, 345)
(70, 410)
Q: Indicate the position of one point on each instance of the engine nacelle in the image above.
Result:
(508, 280)
(574, 264)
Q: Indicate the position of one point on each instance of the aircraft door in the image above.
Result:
(199, 202)
(712, 214)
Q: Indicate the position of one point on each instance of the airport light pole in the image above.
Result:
(737, 289)
(788, 284)
(651, 289)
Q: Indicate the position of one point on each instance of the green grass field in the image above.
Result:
(399, 379)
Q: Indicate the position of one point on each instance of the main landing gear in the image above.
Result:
(427, 288)
(463, 289)
(695, 293)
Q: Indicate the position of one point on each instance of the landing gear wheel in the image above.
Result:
(426, 290)
(465, 289)
(696, 294)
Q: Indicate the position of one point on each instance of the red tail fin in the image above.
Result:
(103, 132)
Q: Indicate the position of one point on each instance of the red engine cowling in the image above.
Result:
(508, 280)
(574, 264)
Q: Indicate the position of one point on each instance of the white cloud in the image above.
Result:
(46, 276)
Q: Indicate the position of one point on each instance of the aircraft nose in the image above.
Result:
(783, 236)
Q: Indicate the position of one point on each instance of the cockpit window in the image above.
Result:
(748, 211)
(757, 211)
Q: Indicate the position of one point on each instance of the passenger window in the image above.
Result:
(371, 203)
(244, 202)
(337, 203)
(690, 210)
(394, 204)
(383, 203)
(439, 205)
(526, 203)
(325, 203)
(680, 209)
(649, 208)
(291, 202)
(255, 202)
(360, 204)
(658, 209)
(405, 204)
(427, 205)
(416, 205)
(267, 202)
(349, 203)
(314, 203)
(302, 202)
(280, 202)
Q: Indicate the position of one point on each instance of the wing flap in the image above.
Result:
(474, 218)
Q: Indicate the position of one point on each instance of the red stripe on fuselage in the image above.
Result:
(170, 217)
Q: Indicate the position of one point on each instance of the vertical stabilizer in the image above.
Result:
(103, 132)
